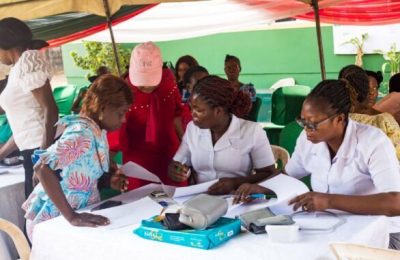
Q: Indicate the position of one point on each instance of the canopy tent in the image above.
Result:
(176, 21)
(43, 8)
(173, 21)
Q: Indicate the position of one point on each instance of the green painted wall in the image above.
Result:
(266, 56)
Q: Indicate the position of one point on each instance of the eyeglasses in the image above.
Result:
(313, 126)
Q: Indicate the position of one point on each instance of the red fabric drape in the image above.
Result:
(350, 12)
(95, 29)
(359, 12)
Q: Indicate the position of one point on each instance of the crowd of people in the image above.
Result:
(190, 127)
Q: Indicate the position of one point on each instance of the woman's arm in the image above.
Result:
(178, 127)
(377, 204)
(44, 97)
(51, 185)
(9, 147)
(227, 185)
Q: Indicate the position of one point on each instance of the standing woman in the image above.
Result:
(153, 129)
(232, 70)
(27, 99)
(71, 169)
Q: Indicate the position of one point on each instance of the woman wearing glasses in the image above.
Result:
(353, 166)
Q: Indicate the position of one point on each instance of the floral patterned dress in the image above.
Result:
(80, 157)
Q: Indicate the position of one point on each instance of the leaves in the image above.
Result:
(101, 54)
(392, 58)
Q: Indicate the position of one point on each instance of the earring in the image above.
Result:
(101, 116)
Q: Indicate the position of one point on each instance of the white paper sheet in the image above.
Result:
(127, 214)
(193, 189)
(285, 188)
(134, 170)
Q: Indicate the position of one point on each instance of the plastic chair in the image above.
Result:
(280, 154)
(286, 103)
(288, 138)
(357, 252)
(255, 109)
(289, 135)
(19, 239)
(5, 130)
(64, 97)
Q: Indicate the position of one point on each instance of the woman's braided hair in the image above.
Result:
(357, 79)
(218, 92)
(337, 94)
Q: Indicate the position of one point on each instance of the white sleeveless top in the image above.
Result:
(24, 113)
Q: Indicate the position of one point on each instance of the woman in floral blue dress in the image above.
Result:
(69, 170)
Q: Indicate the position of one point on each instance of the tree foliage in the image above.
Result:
(101, 54)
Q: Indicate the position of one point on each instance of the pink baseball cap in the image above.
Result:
(145, 68)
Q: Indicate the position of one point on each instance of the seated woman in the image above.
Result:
(362, 111)
(391, 102)
(353, 166)
(69, 170)
(374, 79)
(218, 144)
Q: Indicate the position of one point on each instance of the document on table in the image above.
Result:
(131, 213)
(193, 189)
(285, 188)
(134, 170)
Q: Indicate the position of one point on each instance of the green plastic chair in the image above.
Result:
(5, 130)
(289, 135)
(288, 138)
(64, 97)
(255, 109)
(286, 103)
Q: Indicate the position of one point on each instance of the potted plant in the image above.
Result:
(358, 44)
(392, 58)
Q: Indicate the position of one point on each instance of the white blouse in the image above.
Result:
(365, 163)
(242, 148)
(24, 113)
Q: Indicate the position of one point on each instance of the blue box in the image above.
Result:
(220, 232)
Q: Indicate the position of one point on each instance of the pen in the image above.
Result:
(188, 171)
(251, 196)
(257, 196)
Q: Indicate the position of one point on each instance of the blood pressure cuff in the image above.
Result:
(256, 220)
(171, 221)
(202, 211)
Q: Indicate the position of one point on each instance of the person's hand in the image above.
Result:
(88, 220)
(243, 192)
(178, 172)
(311, 201)
(118, 181)
(223, 186)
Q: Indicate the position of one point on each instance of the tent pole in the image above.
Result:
(319, 38)
(109, 23)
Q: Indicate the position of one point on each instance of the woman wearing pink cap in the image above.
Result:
(151, 135)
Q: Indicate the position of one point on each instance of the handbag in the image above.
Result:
(202, 211)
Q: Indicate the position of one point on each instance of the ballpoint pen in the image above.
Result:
(257, 196)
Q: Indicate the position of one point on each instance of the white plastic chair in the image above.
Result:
(19, 239)
(281, 154)
(345, 251)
